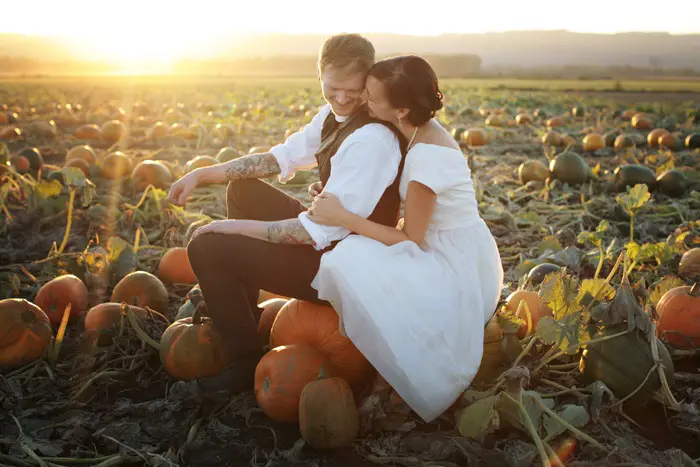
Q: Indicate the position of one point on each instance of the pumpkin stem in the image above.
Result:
(695, 290)
(200, 309)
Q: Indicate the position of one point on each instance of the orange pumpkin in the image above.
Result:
(141, 288)
(158, 130)
(302, 322)
(670, 141)
(556, 122)
(192, 348)
(25, 332)
(264, 296)
(475, 137)
(87, 131)
(534, 304)
(679, 317)
(654, 135)
(11, 133)
(116, 165)
(328, 416)
(641, 122)
(593, 142)
(523, 119)
(174, 267)
(551, 138)
(82, 151)
(54, 296)
(100, 321)
(113, 131)
(200, 161)
(21, 164)
(149, 172)
(270, 309)
(281, 376)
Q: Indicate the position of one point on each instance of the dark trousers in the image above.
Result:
(231, 269)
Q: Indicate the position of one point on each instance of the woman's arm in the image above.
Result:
(420, 204)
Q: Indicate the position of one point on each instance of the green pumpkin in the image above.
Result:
(671, 183)
(693, 141)
(227, 154)
(570, 168)
(633, 174)
(623, 362)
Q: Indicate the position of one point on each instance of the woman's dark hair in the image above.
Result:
(410, 83)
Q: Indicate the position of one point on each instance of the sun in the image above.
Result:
(155, 52)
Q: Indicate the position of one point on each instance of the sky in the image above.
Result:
(140, 29)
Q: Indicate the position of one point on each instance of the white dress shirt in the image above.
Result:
(365, 164)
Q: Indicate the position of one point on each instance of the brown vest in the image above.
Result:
(333, 134)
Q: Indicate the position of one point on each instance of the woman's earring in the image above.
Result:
(400, 124)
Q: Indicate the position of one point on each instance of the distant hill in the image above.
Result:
(497, 50)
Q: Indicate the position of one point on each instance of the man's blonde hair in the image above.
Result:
(351, 51)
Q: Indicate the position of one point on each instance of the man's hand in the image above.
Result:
(181, 189)
(315, 189)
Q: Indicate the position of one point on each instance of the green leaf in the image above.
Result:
(660, 288)
(559, 291)
(634, 198)
(87, 193)
(573, 414)
(509, 322)
(48, 189)
(668, 165)
(73, 176)
(115, 246)
(479, 419)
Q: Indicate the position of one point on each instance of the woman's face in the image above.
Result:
(378, 102)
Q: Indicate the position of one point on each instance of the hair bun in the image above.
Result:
(437, 103)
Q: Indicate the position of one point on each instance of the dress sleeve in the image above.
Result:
(299, 149)
(366, 163)
(435, 167)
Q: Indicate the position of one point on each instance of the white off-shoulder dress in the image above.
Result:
(418, 315)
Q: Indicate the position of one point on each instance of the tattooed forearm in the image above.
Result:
(288, 231)
(252, 166)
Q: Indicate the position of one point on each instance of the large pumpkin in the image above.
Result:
(25, 332)
(141, 288)
(54, 296)
(116, 165)
(569, 167)
(282, 374)
(328, 416)
(174, 267)
(535, 306)
(679, 317)
(593, 142)
(192, 348)
(532, 169)
(623, 362)
(113, 131)
(87, 131)
(302, 322)
(101, 320)
(82, 152)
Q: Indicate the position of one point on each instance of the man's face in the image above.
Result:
(342, 89)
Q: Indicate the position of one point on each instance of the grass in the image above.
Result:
(650, 85)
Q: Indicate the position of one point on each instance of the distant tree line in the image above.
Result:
(445, 65)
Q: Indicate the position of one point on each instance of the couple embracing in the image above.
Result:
(413, 296)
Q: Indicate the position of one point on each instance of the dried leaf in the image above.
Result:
(571, 413)
(479, 419)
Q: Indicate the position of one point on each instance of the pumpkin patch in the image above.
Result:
(592, 201)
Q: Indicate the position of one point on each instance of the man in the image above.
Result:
(268, 241)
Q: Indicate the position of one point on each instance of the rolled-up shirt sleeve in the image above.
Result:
(366, 163)
(299, 149)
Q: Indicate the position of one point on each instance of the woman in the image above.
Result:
(415, 299)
